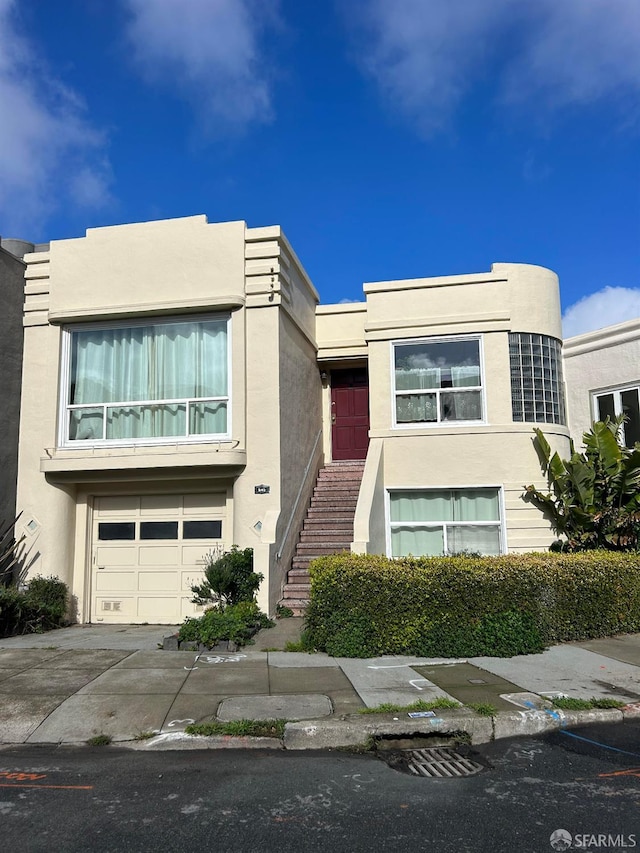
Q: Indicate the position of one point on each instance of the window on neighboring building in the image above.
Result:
(622, 401)
(147, 382)
(438, 381)
(537, 392)
(432, 522)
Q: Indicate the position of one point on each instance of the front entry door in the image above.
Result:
(349, 413)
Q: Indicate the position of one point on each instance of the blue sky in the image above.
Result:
(389, 138)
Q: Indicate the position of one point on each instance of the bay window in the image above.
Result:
(146, 382)
(434, 522)
(437, 381)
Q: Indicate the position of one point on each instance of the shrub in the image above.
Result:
(41, 606)
(366, 605)
(237, 622)
(229, 578)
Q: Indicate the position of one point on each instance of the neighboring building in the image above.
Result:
(602, 372)
(12, 286)
(182, 388)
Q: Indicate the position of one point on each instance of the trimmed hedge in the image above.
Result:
(363, 605)
(40, 606)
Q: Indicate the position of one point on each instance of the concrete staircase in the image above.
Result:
(327, 529)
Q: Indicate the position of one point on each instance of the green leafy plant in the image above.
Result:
(365, 605)
(236, 622)
(239, 728)
(10, 551)
(229, 578)
(40, 606)
(283, 612)
(594, 500)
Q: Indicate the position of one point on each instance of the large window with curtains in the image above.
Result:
(146, 382)
(437, 381)
(433, 522)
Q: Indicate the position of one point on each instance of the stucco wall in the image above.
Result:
(12, 291)
(496, 452)
(300, 444)
(147, 267)
(598, 361)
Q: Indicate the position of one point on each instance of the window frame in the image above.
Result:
(439, 424)
(64, 407)
(616, 392)
(501, 523)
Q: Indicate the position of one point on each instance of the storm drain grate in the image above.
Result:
(441, 763)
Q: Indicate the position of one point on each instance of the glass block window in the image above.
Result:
(537, 391)
(433, 522)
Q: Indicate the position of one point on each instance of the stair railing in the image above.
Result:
(303, 482)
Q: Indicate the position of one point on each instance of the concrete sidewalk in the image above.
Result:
(70, 685)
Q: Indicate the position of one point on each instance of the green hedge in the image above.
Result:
(367, 605)
(40, 606)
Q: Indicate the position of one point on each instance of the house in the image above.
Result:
(602, 372)
(182, 388)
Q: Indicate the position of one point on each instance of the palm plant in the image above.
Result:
(594, 500)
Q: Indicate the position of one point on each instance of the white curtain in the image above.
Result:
(410, 509)
(141, 364)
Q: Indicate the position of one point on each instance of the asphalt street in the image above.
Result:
(585, 782)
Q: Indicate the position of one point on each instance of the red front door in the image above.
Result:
(349, 413)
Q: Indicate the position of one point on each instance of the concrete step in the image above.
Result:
(298, 606)
(331, 499)
(298, 576)
(327, 528)
(325, 511)
(330, 534)
(329, 520)
(297, 590)
(320, 550)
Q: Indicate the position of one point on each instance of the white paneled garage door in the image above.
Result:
(147, 551)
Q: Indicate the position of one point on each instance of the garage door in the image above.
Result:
(147, 552)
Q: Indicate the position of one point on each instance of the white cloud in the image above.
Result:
(427, 56)
(208, 50)
(605, 307)
(45, 141)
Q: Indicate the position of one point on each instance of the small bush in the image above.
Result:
(229, 579)
(41, 606)
(237, 622)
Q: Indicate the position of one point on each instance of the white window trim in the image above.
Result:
(63, 388)
(616, 391)
(502, 523)
(439, 425)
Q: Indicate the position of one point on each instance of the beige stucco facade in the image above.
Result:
(251, 482)
(164, 272)
(600, 363)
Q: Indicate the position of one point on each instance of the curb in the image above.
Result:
(355, 732)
